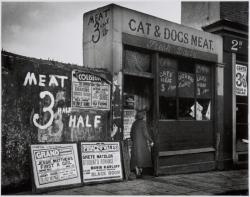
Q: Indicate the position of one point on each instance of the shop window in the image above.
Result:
(168, 108)
(185, 90)
(136, 61)
(186, 109)
(203, 109)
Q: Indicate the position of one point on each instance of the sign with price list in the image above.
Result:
(241, 80)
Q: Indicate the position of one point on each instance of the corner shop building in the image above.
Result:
(173, 71)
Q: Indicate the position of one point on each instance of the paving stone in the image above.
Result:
(209, 183)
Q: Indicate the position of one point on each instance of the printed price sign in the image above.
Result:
(101, 161)
(241, 80)
(55, 165)
(89, 91)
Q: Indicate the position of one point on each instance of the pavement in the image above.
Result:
(233, 182)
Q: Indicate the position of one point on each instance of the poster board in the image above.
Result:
(55, 165)
(240, 80)
(101, 161)
(167, 80)
(89, 91)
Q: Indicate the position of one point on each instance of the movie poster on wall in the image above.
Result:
(101, 161)
(89, 91)
(55, 165)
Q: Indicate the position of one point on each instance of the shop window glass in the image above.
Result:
(186, 108)
(185, 89)
(136, 61)
(203, 109)
(167, 108)
(168, 62)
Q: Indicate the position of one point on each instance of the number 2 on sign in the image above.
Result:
(45, 109)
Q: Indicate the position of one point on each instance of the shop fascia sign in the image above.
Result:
(157, 29)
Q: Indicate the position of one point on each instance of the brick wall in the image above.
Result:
(235, 11)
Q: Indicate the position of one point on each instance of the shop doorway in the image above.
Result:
(138, 95)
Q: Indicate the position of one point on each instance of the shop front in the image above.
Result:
(173, 72)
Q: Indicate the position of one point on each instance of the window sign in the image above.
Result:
(203, 81)
(55, 165)
(101, 161)
(89, 91)
(241, 80)
(186, 84)
(167, 79)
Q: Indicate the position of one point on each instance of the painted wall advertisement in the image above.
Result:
(101, 161)
(89, 91)
(55, 165)
(241, 80)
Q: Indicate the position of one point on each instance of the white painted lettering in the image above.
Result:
(53, 81)
(87, 121)
(62, 79)
(72, 121)
(97, 121)
(42, 79)
(80, 122)
(30, 77)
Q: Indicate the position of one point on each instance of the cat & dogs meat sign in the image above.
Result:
(55, 165)
(101, 161)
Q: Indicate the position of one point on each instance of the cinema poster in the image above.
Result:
(55, 165)
(89, 91)
(101, 161)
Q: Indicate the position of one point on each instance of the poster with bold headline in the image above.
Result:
(101, 161)
(89, 91)
(55, 165)
(241, 80)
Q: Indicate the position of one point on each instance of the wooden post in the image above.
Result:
(233, 108)
(156, 113)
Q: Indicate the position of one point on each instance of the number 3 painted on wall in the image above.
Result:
(45, 109)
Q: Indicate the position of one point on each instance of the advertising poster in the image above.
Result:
(128, 119)
(89, 91)
(101, 161)
(55, 165)
(241, 80)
